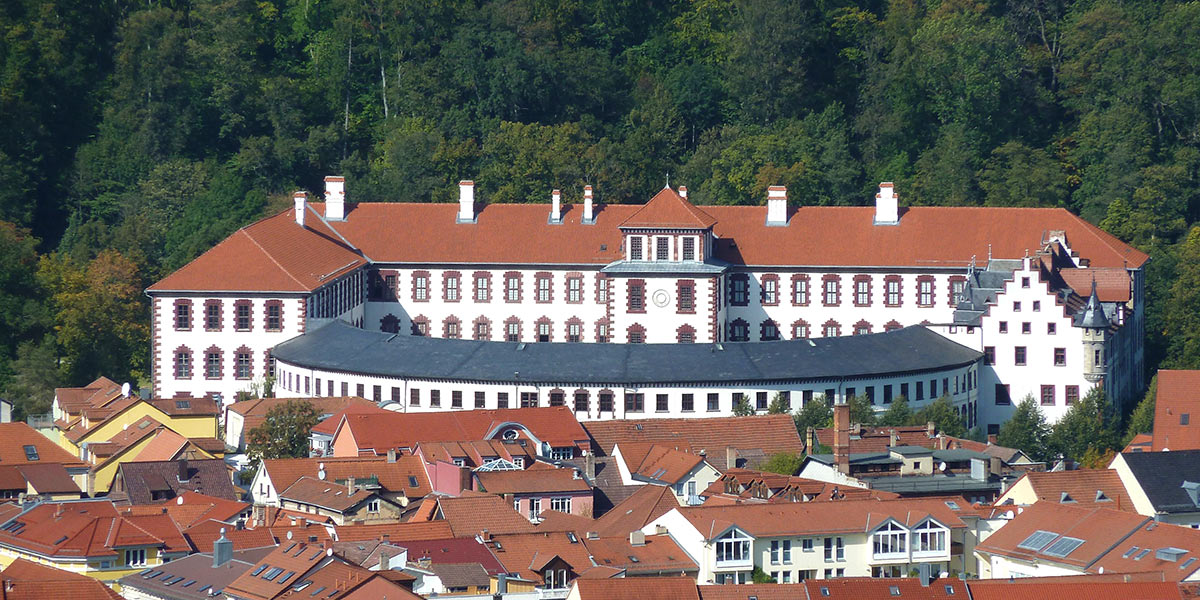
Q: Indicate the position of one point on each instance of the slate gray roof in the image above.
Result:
(1161, 476)
(192, 577)
(342, 347)
(139, 480)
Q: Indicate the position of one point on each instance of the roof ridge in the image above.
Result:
(269, 256)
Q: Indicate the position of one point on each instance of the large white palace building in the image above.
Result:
(1050, 304)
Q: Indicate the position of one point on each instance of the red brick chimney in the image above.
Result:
(841, 437)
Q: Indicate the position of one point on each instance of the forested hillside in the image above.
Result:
(134, 135)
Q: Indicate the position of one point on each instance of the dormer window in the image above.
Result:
(635, 248)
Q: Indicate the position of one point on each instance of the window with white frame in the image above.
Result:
(451, 288)
(602, 290)
(512, 287)
(770, 291)
(925, 292)
(373, 506)
(535, 508)
(635, 247)
(575, 289)
(892, 289)
(561, 504)
(543, 289)
(483, 286)
(800, 291)
(733, 547)
(421, 288)
(890, 540)
(831, 292)
(689, 248)
(806, 545)
(662, 248)
(929, 537)
(563, 453)
(135, 557)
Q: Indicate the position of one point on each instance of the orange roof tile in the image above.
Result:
(659, 554)
(355, 406)
(471, 515)
(1099, 528)
(657, 462)
(641, 588)
(527, 553)
(396, 532)
(555, 425)
(648, 503)
(771, 434)
(298, 558)
(326, 494)
(15, 436)
(1142, 442)
(27, 580)
(1155, 537)
(1086, 587)
(203, 533)
(1177, 398)
(532, 480)
(1112, 283)
(667, 209)
(89, 528)
(393, 477)
(858, 588)
(1082, 487)
(254, 412)
(807, 518)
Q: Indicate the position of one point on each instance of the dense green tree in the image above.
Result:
(943, 415)
(780, 404)
(1182, 314)
(743, 408)
(1026, 430)
(1086, 425)
(284, 432)
(1017, 175)
(1141, 420)
(861, 411)
(816, 414)
(783, 463)
(899, 413)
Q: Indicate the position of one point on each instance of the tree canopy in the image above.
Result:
(284, 433)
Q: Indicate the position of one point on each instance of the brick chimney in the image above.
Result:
(887, 210)
(893, 438)
(350, 485)
(776, 206)
(589, 216)
(841, 437)
(466, 201)
(555, 207)
(391, 455)
(300, 199)
(335, 198)
(589, 466)
(810, 440)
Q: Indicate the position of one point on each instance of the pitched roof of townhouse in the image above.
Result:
(1085, 488)
(658, 554)
(1082, 587)
(1112, 283)
(807, 518)
(454, 551)
(648, 461)
(397, 532)
(366, 553)
(198, 570)
(273, 254)
(297, 558)
(648, 503)
(470, 515)
(211, 477)
(669, 210)
(50, 478)
(475, 452)
(745, 483)
(394, 477)
(1100, 530)
(526, 554)
(772, 434)
(357, 406)
(190, 508)
(176, 408)
(1177, 398)
(1142, 442)
(645, 588)
(461, 575)
(97, 393)
(88, 528)
(762, 591)
(855, 588)
(279, 255)
(14, 437)
(254, 412)
(27, 580)
(343, 347)
(555, 425)
(326, 494)
(1161, 476)
(1173, 550)
(539, 478)
(203, 533)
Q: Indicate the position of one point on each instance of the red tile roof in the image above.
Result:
(470, 515)
(26, 580)
(298, 558)
(254, 412)
(454, 551)
(326, 494)
(396, 532)
(97, 393)
(1155, 537)
(50, 478)
(15, 436)
(1112, 283)
(555, 425)
(658, 462)
(1142, 442)
(747, 485)
(527, 553)
(642, 588)
(1083, 488)
(668, 210)
(89, 528)
(763, 591)
(771, 434)
(645, 505)
(660, 554)
(808, 518)
(532, 480)
(475, 452)
(1100, 529)
(866, 588)
(392, 477)
(203, 533)
(355, 406)
(1177, 398)
(1087, 587)
(274, 254)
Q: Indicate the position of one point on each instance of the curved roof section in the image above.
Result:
(341, 347)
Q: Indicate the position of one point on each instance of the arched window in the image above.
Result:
(862, 328)
(637, 334)
(686, 334)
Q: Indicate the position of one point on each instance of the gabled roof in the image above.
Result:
(168, 580)
(1082, 587)
(254, 412)
(202, 534)
(1162, 475)
(1176, 403)
(211, 477)
(27, 580)
(659, 554)
(644, 588)
(396, 477)
(1112, 283)
(325, 494)
(555, 425)
(88, 528)
(454, 551)
(355, 406)
(1085, 488)
(668, 210)
(274, 254)
(298, 558)
(648, 503)
(475, 452)
(1099, 529)
(904, 588)
(50, 478)
(771, 434)
(470, 515)
(813, 518)
(784, 488)
(527, 553)
(97, 393)
(537, 479)
(396, 532)
(1173, 550)
(14, 437)
(657, 463)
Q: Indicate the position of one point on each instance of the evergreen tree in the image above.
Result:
(1084, 426)
(897, 415)
(1141, 420)
(816, 414)
(943, 415)
(1027, 431)
(284, 432)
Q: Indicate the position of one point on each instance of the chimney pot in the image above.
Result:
(335, 198)
(683, 192)
(637, 538)
(555, 206)
(777, 205)
(466, 201)
(391, 455)
(589, 216)
(300, 199)
(887, 211)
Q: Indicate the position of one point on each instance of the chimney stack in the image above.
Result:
(637, 538)
(810, 440)
(301, 201)
(391, 455)
(887, 210)
(335, 198)
(683, 192)
(893, 438)
(731, 456)
(991, 439)
(589, 217)
(350, 485)
(930, 428)
(589, 466)
(841, 437)
(466, 202)
(222, 550)
(555, 207)
(776, 206)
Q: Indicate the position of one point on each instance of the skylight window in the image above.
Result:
(1037, 540)
(260, 569)
(317, 591)
(952, 504)
(183, 404)
(1144, 552)
(1129, 552)
(949, 590)
(1063, 547)
(894, 590)
(1170, 553)
(412, 481)
(31, 452)
(272, 573)
(1102, 497)
(189, 583)
(1187, 563)
(283, 580)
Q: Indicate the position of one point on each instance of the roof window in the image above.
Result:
(1170, 553)
(949, 590)
(1102, 497)
(824, 591)
(1129, 552)
(1187, 563)
(31, 452)
(1141, 554)
(258, 570)
(1037, 540)
(183, 404)
(894, 590)
(272, 573)
(412, 481)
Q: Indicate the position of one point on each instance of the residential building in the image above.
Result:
(552, 560)
(311, 570)
(1163, 485)
(1123, 586)
(33, 482)
(754, 439)
(69, 403)
(91, 537)
(818, 540)
(340, 503)
(197, 577)
(640, 555)
(22, 446)
(154, 481)
(1085, 488)
(538, 489)
(1052, 539)
(480, 515)
(668, 271)
(686, 474)
(399, 479)
(143, 440)
(241, 417)
(741, 486)
(1176, 398)
(193, 418)
(27, 580)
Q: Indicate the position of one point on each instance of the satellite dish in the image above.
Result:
(125, 389)
(179, 501)
(321, 473)
(289, 534)
(942, 466)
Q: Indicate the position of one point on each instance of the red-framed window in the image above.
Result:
(183, 315)
(636, 334)
(544, 290)
(685, 296)
(481, 329)
(893, 290)
(800, 289)
(831, 328)
(637, 295)
(925, 290)
(512, 286)
(420, 291)
(273, 312)
(213, 317)
(769, 295)
(862, 290)
(243, 315)
(183, 363)
(483, 286)
(800, 329)
(451, 286)
(739, 289)
(831, 290)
